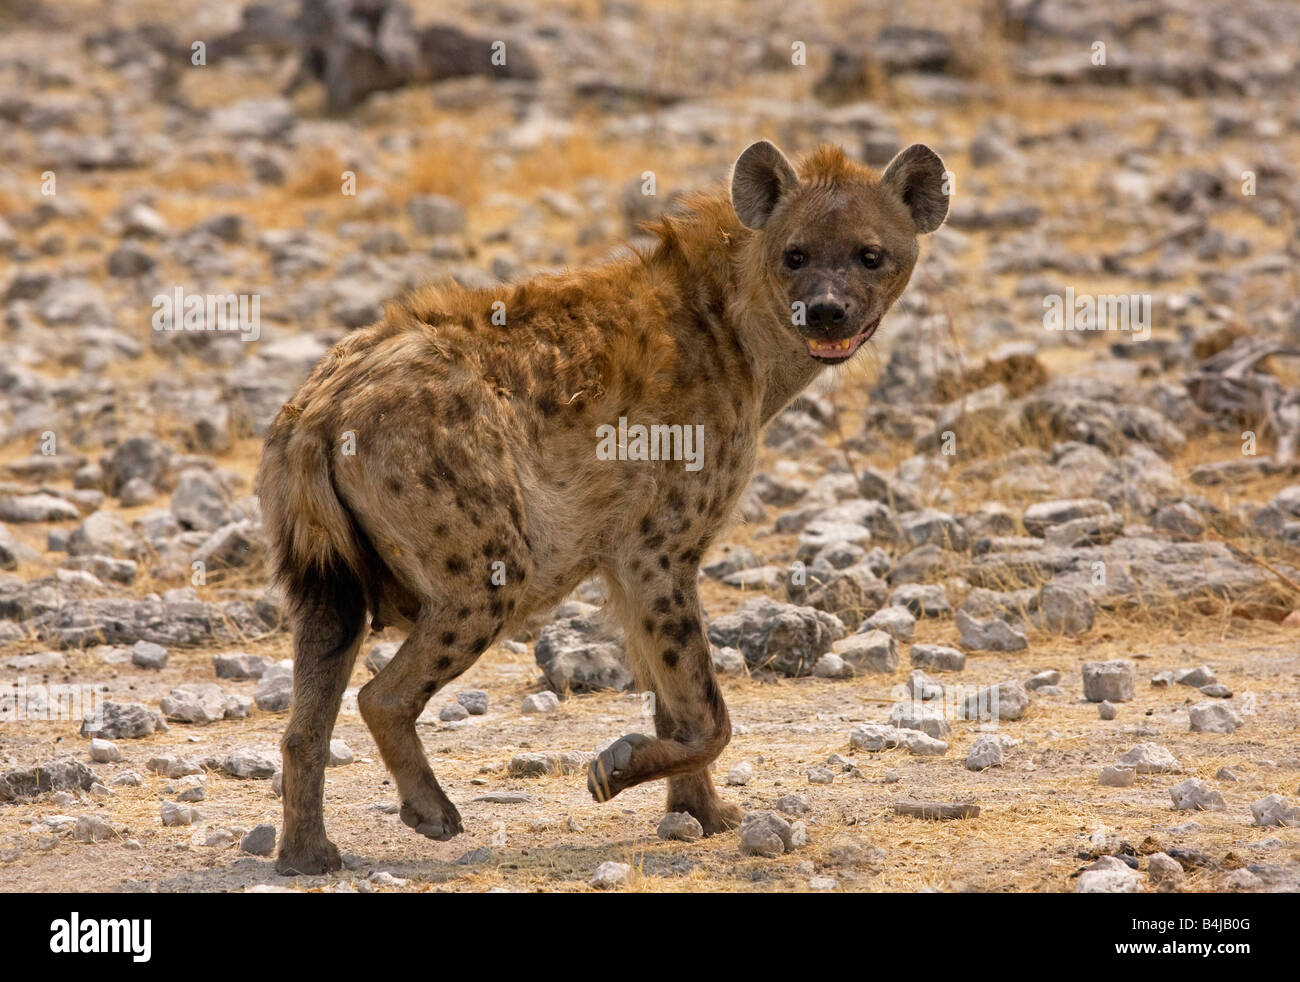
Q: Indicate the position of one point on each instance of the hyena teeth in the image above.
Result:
(440, 470)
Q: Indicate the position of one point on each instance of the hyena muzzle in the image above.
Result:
(439, 470)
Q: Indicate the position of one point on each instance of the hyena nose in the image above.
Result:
(826, 313)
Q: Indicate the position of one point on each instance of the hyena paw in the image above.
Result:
(440, 823)
(613, 768)
(307, 859)
(720, 816)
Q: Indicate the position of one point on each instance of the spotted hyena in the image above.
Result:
(439, 470)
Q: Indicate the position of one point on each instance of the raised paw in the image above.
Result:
(613, 768)
(441, 824)
(307, 859)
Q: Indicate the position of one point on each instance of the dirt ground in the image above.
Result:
(1038, 811)
(1043, 815)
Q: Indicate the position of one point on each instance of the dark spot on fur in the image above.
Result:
(670, 658)
(683, 630)
(456, 565)
(459, 411)
(448, 638)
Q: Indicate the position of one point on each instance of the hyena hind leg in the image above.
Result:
(326, 641)
(439, 648)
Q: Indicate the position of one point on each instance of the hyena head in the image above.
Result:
(836, 243)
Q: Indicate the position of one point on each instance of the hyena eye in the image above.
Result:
(872, 258)
(794, 258)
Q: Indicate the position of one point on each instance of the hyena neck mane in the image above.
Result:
(714, 264)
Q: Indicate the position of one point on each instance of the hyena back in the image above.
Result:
(438, 470)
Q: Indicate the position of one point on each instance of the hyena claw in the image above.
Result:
(608, 774)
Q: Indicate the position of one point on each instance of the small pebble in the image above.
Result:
(680, 826)
(259, 841)
(1117, 776)
(174, 814)
(1163, 871)
(820, 775)
(792, 804)
(104, 751)
(146, 654)
(609, 875)
(766, 833)
(740, 775)
(340, 754)
(540, 702)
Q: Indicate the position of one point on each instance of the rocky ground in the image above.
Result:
(1007, 608)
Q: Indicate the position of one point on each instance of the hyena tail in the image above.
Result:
(321, 558)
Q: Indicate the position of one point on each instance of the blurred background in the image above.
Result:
(1102, 147)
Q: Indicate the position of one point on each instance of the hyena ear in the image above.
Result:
(916, 176)
(760, 177)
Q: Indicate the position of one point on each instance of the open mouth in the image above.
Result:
(843, 349)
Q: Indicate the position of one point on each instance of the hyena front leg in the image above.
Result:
(669, 652)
